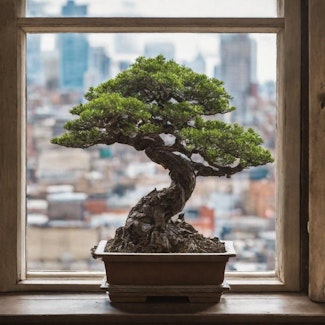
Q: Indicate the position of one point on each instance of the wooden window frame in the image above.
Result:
(316, 130)
(12, 137)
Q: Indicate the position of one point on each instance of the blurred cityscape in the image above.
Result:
(77, 197)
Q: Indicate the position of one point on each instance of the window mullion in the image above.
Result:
(162, 25)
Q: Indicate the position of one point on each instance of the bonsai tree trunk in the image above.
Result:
(153, 224)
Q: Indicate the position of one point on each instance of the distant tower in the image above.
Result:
(34, 64)
(70, 9)
(74, 51)
(238, 71)
(154, 48)
(198, 64)
(126, 49)
(35, 8)
(98, 67)
(51, 69)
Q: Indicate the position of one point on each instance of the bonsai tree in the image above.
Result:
(169, 112)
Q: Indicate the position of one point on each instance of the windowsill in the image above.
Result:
(94, 308)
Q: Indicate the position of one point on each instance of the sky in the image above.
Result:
(171, 8)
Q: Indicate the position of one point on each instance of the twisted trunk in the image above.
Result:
(150, 227)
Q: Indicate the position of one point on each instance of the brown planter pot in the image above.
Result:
(134, 277)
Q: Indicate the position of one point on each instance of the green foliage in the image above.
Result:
(156, 96)
(158, 81)
(223, 144)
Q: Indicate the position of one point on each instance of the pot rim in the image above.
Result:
(99, 251)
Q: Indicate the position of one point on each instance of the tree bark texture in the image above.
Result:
(153, 224)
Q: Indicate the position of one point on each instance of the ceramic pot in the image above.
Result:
(134, 277)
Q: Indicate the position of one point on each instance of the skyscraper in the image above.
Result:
(198, 64)
(70, 9)
(238, 71)
(98, 67)
(154, 48)
(34, 61)
(34, 65)
(74, 51)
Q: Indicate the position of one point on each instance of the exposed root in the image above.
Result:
(176, 237)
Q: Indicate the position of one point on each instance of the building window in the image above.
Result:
(55, 82)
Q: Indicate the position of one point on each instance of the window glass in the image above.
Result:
(76, 197)
(151, 8)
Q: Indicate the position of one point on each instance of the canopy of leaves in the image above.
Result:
(155, 97)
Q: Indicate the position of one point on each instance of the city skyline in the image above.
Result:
(185, 47)
(189, 45)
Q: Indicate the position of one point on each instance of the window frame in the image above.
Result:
(12, 167)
